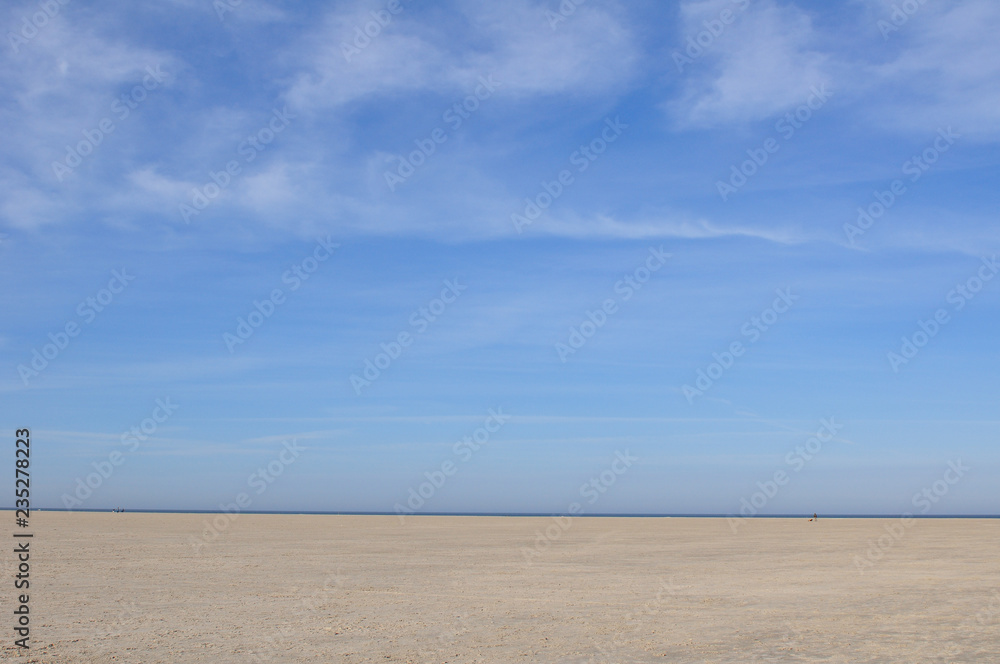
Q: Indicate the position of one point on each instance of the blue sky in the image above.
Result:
(567, 211)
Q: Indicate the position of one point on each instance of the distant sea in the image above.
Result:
(644, 516)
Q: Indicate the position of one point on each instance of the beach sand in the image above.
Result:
(270, 588)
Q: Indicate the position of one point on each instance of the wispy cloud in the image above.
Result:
(944, 72)
(592, 54)
(763, 63)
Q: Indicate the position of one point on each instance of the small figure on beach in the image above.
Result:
(815, 517)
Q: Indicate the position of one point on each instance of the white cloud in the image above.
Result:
(229, 11)
(945, 72)
(603, 226)
(590, 53)
(762, 63)
(64, 81)
(22, 205)
(148, 181)
(60, 84)
(935, 67)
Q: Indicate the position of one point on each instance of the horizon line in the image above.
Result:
(707, 515)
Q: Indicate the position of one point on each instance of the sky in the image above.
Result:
(713, 257)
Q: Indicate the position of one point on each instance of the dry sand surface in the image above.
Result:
(132, 588)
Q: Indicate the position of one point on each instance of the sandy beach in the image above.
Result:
(269, 588)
